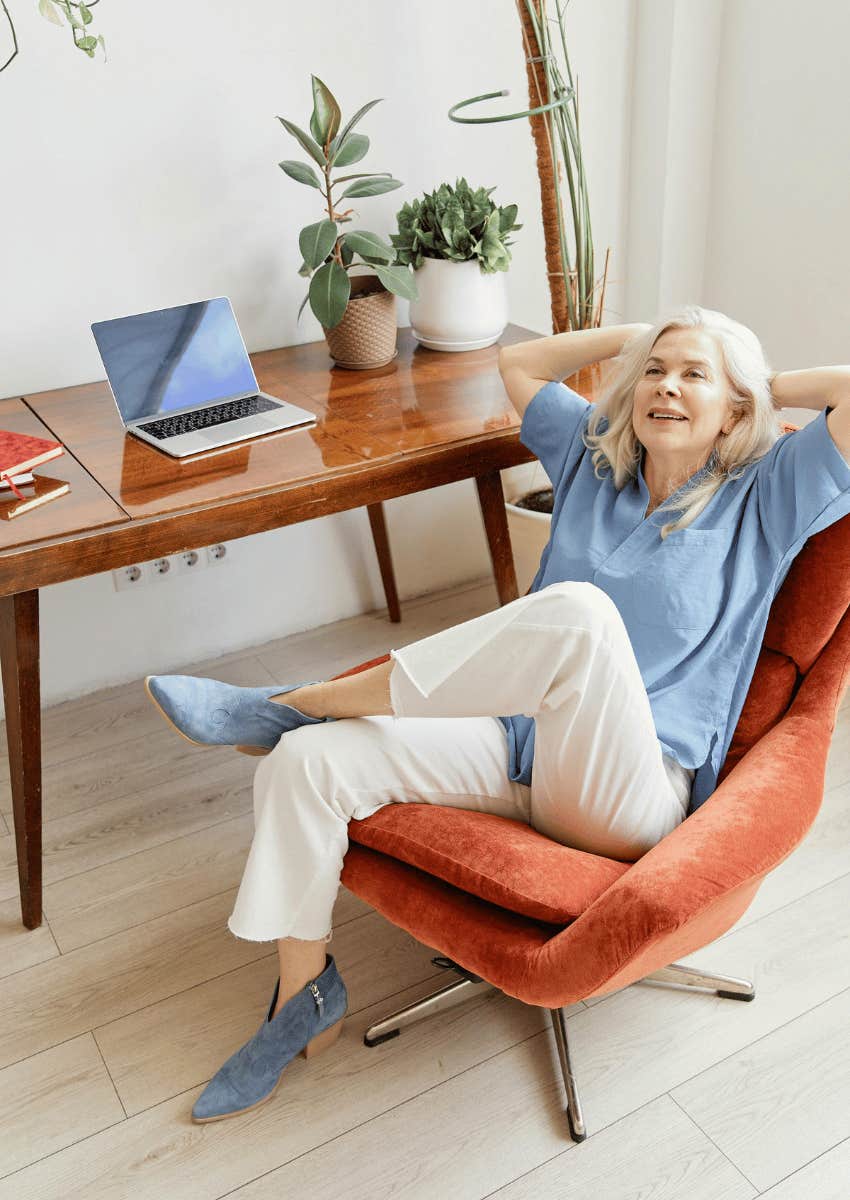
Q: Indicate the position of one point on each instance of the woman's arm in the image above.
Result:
(817, 388)
(526, 366)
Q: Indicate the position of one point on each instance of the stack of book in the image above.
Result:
(21, 491)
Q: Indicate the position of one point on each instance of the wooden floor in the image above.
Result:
(118, 1009)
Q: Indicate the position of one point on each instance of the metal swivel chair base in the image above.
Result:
(445, 997)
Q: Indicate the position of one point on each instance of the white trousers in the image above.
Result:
(600, 781)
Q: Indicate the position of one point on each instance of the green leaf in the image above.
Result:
(85, 13)
(507, 216)
(315, 152)
(300, 171)
(330, 288)
(363, 175)
(364, 243)
(305, 270)
(361, 112)
(49, 12)
(88, 44)
(371, 188)
(398, 280)
(316, 242)
(347, 255)
(355, 147)
(326, 117)
(301, 309)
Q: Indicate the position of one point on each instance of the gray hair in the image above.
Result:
(748, 377)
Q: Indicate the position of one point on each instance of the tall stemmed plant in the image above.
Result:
(324, 249)
(553, 114)
(558, 145)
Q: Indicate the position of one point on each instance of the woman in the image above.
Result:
(678, 509)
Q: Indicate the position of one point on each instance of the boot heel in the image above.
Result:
(323, 1040)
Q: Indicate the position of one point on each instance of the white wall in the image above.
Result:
(778, 251)
(152, 180)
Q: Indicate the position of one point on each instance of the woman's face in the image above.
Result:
(684, 376)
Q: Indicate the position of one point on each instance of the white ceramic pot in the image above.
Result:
(529, 531)
(459, 308)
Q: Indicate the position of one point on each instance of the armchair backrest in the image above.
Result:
(804, 616)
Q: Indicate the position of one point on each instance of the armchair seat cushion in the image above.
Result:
(495, 858)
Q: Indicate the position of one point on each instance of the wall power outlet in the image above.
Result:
(186, 562)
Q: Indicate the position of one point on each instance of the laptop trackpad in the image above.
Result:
(237, 429)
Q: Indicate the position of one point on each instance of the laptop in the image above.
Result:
(182, 379)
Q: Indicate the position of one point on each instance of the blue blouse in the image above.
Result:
(696, 604)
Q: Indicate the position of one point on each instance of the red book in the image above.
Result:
(20, 452)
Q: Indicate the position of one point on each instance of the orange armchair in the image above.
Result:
(551, 925)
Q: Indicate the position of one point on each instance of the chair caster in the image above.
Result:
(737, 995)
(577, 1137)
(381, 1037)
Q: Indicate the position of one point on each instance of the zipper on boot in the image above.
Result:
(318, 997)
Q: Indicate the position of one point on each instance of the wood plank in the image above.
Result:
(115, 829)
(794, 1081)
(655, 1152)
(824, 1179)
(54, 1099)
(118, 770)
(75, 993)
(19, 947)
(154, 882)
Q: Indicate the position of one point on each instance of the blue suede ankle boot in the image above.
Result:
(308, 1023)
(209, 713)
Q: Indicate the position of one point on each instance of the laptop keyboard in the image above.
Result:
(203, 418)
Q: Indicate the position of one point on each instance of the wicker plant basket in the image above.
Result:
(366, 335)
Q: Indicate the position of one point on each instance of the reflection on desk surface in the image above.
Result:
(41, 490)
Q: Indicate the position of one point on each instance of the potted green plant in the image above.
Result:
(456, 240)
(356, 311)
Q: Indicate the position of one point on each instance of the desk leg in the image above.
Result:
(492, 501)
(385, 562)
(22, 699)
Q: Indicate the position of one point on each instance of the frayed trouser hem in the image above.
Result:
(245, 937)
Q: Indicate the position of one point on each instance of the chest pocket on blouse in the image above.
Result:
(680, 586)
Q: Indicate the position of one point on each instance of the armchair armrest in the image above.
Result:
(694, 885)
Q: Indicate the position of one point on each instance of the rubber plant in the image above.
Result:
(329, 254)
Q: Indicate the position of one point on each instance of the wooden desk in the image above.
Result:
(424, 420)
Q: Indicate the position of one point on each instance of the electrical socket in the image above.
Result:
(129, 578)
(160, 568)
(189, 562)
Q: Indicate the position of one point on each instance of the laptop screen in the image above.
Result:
(174, 358)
